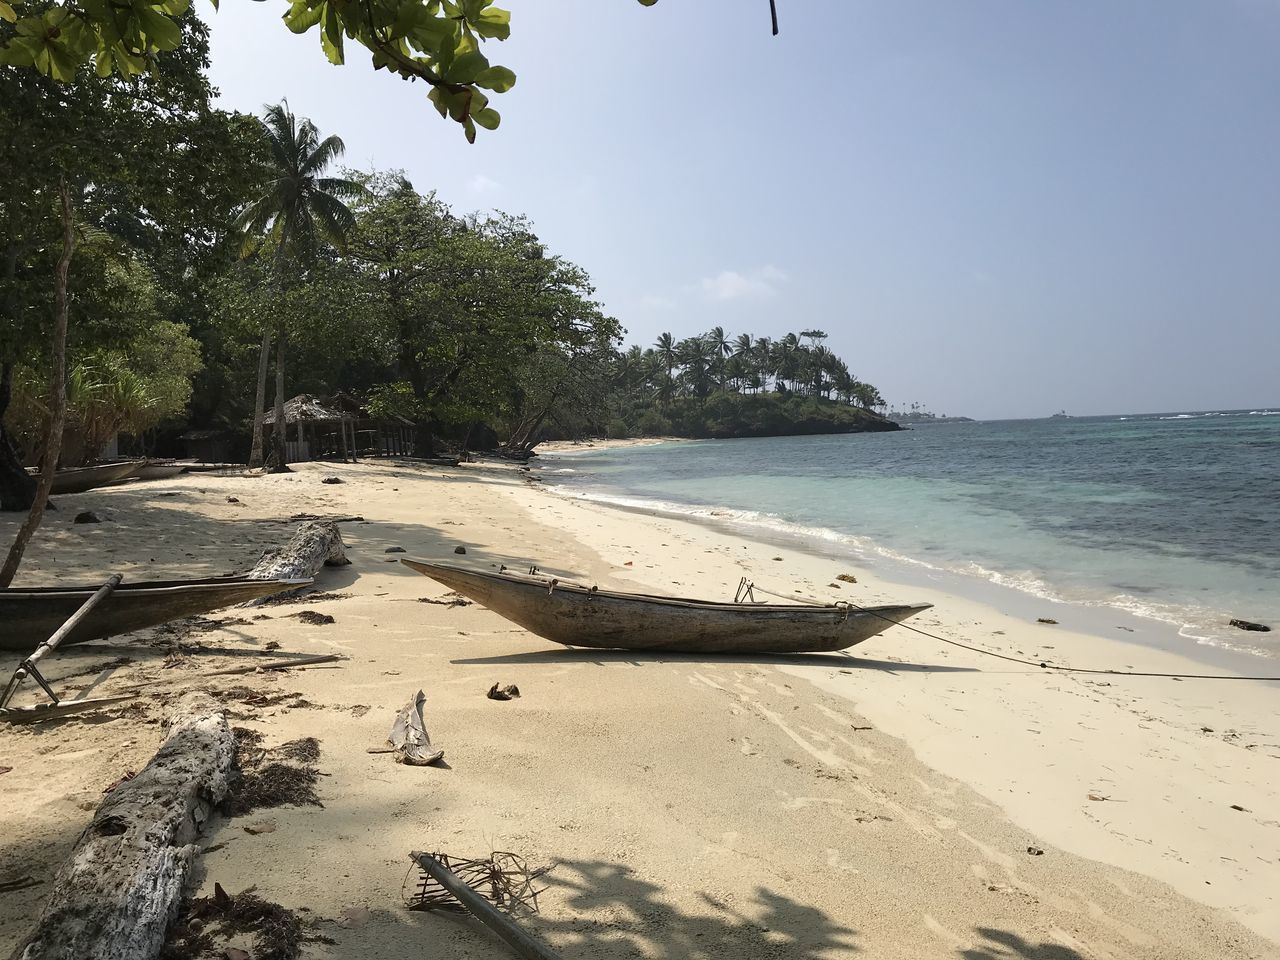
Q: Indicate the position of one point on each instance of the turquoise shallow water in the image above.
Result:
(1170, 517)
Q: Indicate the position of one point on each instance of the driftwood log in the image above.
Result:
(315, 544)
(116, 895)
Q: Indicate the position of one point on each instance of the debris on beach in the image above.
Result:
(1035, 851)
(332, 480)
(273, 777)
(409, 739)
(1239, 624)
(846, 578)
(313, 618)
(509, 692)
(394, 550)
(87, 516)
(490, 890)
(448, 600)
(277, 931)
(1046, 620)
(459, 549)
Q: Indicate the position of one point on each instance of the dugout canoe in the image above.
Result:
(80, 479)
(579, 616)
(30, 615)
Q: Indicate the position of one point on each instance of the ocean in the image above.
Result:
(1172, 518)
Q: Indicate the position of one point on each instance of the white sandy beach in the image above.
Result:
(880, 803)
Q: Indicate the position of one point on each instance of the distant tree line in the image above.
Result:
(716, 384)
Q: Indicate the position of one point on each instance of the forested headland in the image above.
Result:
(207, 263)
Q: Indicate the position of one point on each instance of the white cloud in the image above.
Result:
(732, 285)
(482, 184)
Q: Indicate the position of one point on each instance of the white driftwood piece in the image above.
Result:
(409, 739)
(315, 544)
(116, 895)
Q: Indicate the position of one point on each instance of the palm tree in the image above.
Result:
(298, 206)
(719, 341)
(666, 347)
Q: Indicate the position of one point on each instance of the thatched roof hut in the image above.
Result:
(304, 408)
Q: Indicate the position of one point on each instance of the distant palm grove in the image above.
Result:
(718, 385)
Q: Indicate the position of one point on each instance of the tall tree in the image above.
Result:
(299, 208)
(144, 160)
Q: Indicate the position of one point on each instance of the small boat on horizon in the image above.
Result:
(579, 616)
(30, 615)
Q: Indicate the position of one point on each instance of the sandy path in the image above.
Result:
(692, 806)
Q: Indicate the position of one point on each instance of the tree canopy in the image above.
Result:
(436, 41)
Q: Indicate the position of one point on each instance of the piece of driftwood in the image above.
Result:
(63, 708)
(480, 908)
(409, 739)
(117, 893)
(277, 664)
(315, 544)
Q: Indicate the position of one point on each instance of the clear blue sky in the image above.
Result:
(996, 209)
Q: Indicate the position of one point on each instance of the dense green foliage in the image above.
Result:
(465, 325)
(715, 386)
(153, 174)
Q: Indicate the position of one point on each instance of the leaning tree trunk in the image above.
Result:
(260, 398)
(17, 487)
(117, 894)
(57, 393)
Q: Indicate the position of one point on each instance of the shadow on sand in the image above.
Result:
(638, 657)
(641, 924)
(1003, 945)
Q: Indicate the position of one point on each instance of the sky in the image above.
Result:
(994, 208)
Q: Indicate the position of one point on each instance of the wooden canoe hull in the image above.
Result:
(162, 469)
(582, 617)
(30, 615)
(80, 479)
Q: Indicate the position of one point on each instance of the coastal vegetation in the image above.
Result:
(162, 260)
(720, 385)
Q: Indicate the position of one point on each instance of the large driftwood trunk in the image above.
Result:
(116, 895)
(315, 544)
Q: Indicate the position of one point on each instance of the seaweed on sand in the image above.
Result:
(277, 777)
(277, 931)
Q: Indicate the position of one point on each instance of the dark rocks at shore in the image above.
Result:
(1250, 625)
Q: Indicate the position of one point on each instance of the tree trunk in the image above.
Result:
(315, 544)
(278, 462)
(17, 487)
(116, 895)
(260, 398)
(57, 393)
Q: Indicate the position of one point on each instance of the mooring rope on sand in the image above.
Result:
(1043, 665)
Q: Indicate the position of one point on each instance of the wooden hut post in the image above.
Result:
(342, 430)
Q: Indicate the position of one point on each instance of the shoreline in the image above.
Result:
(882, 800)
(1045, 807)
(1232, 654)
